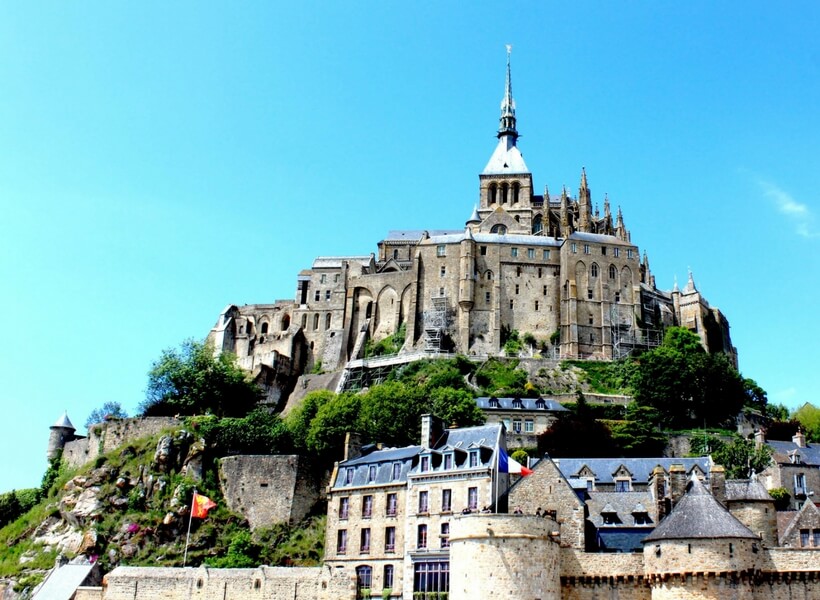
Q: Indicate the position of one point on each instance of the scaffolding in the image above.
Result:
(625, 336)
(435, 323)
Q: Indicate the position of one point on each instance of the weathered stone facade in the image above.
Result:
(551, 266)
(268, 489)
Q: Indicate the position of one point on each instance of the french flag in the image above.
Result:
(508, 465)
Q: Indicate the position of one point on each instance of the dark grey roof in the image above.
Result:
(623, 504)
(627, 539)
(463, 438)
(641, 468)
(63, 582)
(808, 511)
(809, 455)
(550, 404)
(64, 421)
(699, 515)
(746, 490)
(383, 461)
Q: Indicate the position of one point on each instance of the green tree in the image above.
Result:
(259, 432)
(808, 416)
(332, 423)
(639, 434)
(455, 407)
(191, 380)
(685, 385)
(740, 457)
(299, 419)
(391, 413)
(109, 410)
(577, 435)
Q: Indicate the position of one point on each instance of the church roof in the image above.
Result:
(506, 159)
(64, 421)
(699, 515)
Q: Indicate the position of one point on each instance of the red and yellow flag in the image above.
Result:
(201, 505)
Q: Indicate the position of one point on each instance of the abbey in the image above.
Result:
(550, 266)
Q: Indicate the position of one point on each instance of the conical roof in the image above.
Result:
(699, 516)
(64, 421)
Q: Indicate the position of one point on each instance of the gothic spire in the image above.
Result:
(507, 125)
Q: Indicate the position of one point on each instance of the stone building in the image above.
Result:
(554, 266)
(795, 466)
(524, 418)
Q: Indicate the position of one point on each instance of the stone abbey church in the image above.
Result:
(551, 266)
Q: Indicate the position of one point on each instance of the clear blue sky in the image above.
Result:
(159, 161)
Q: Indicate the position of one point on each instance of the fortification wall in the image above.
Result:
(89, 593)
(705, 587)
(730, 555)
(595, 576)
(268, 489)
(503, 556)
(110, 435)
(263, 583)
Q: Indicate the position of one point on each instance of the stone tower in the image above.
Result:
(61, 432)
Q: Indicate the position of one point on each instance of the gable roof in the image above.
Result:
(808, 511)
(699, 515)
(810, 455)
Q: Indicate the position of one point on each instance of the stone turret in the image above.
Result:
(61, 433)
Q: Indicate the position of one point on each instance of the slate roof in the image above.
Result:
(623, 504)
(808, 510)
(699, 515)
(746, 490)
(550, 405)
(63, 582)
(621, 540)
(482, 436)
(64, 421)
(810, 455)
(641, 468)
(506, 159)
(383, 460)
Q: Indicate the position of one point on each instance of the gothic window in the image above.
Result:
(593, 270)
(263, 328)
(537, 224)
(489, 275)
(315, 321)
(492, 194)
(304, 321)
(327, 321)
(285, 322)
(516, 192)
(499, 229)
(396, 253)
(505, 189)
(613, 272)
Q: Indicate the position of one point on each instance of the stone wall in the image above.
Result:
(268, 489)
(110, 435)
(263, 583)
(503, 556)
(89, 593)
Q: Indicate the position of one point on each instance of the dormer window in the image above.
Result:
(541, 404)
(396, 471)
(474, 458)
(448, 461)
(348, 476)
(517, 403)
(795, 458)
(494, 403)
(425, 464)
(371, 473)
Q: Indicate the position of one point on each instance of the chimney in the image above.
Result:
(657, 487)
(677, 482)
(760, 438)
(353, 446)
(799, 439)
(717, 483)
(431, 429)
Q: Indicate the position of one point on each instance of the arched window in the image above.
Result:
(516, 189)
(364, 579)
(387, 580)
(499, 229)
(327, 321)
(264, 327)
(537, 224)
(593, 270)
(285, 321)
(316, 321)
(505, 190)
(396, 253)
(613, 272)
(492, 194)
(489, 275)
(304, 321)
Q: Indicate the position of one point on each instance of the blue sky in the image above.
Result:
(158, 162)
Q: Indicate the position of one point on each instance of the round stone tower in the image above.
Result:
(750, 502)
(506, 556)
(700, 551)
(61, 432)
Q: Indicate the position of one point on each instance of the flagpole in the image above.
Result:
(188, 536)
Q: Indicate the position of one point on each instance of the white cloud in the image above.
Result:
(797, 212)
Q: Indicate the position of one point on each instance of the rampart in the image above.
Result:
(268, 489)
(262, 583)
(110, 435)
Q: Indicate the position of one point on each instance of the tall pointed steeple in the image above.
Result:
(507, 125)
